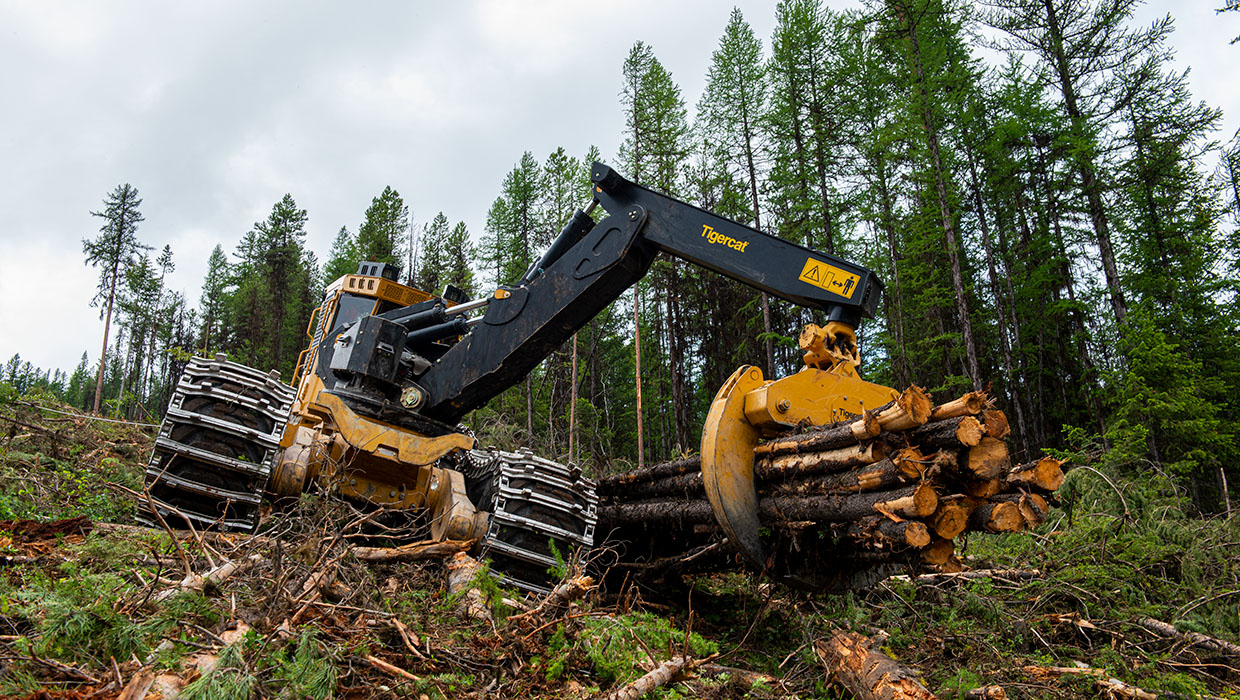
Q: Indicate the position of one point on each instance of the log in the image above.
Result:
(911, 461)
(910, 533)
(910, 502)
(952, 516)
(1193, 638)
(997, 517)
(983, 488)
(879, 476)
(970, 404)
(616, 483)
(938, 552)
(678, 515)
(963, 431)
(682, 486)
(417, 551)
(909, 410)
(853, 662)
(771, 468)
(462, 575)
(864, 428)
(996, 425)
(1045, 474)
(988, 460)
(989, 692)
(1033, 508)
(952, 566)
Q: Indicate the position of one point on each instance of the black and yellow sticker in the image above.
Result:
(829, 277)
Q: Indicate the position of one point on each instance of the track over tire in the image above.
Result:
(539, 509)
(216, 446)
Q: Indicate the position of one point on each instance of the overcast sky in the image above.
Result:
(214, 110)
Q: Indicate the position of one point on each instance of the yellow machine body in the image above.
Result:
(360, 457)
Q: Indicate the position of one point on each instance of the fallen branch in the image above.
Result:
(390, 669)
(563, 594)
(1017, 574)
(212, 578)
(990, 692)
(1193, 638)
(418, 551)
(673, 669)
(852, 661)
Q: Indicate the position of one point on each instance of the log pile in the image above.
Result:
(889, 489)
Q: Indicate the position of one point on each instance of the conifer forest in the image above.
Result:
(1052, 212)
(1055, 220)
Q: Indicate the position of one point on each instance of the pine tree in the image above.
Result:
(213, 301)
(433, 258)
(343, 258)
(113, 253)
(731, 110)
(381, 236)
(458, 254)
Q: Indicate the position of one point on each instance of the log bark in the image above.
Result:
(417, 551)
(615, 484)
(1045, 474)
(952, 516)
(853, 662)
(682, 486)
(964, 431)
(911, 409)
(990, 692)
(997, 517)
(910, 533)
(970, 404)
(879, 476)
(996, 424)
(910, 502)
(844, 435)
(770, 468)
(676, 514)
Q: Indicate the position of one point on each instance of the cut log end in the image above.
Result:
(1045, 474)
(970, 404)
(910, 410)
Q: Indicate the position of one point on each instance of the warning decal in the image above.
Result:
(829, 277)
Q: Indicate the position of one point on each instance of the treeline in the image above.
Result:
(1055, 223)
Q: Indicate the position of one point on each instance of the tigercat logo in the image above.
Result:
(713, 236)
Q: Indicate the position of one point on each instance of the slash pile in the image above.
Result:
(847, 504)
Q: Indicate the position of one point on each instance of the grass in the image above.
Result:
(1113, 553)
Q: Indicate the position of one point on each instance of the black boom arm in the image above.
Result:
(590, 265)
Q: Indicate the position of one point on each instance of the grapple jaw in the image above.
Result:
(748, 408)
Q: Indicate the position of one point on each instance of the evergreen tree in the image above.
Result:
(458, 254)
(730, 111)
(434, 256)
(213, 301)
(343, 258)
(381, 236)
(113, 253)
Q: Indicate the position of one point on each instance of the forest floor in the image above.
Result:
(94, 607)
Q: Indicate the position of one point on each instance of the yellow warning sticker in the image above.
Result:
(830, 278)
